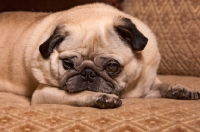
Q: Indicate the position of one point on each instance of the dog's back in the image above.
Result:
(15, 29)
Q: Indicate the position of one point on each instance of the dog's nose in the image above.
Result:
(88, 75)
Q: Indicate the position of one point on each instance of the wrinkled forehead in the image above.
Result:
(92, 30)
(93, 21)
(91, 18)
(91, 37)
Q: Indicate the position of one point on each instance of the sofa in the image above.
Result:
(176, 24)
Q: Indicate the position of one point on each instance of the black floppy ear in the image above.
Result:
(131, 35)
(52, 42)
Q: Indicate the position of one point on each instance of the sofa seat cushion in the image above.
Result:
(136, 114)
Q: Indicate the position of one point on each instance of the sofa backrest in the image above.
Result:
(176, 24)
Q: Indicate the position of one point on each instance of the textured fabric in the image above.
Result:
(136, 114)
(176, 24)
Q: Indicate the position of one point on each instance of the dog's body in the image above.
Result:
(84, 56)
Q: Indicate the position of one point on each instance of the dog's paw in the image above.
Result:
(178, 91)
(104, 101)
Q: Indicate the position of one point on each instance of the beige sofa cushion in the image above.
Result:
(176, 24)
(136, 114)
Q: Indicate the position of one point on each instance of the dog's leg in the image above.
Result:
(178, 91)
(175, 91)
(52, 95)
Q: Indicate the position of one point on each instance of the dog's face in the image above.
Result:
(98, 55)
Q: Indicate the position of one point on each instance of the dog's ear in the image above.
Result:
(131, 35)
(53, 41)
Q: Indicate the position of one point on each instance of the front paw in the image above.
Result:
(104, 101)
(178, 91)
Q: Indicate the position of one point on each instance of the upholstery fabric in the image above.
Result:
(176, 24)
(135, 115)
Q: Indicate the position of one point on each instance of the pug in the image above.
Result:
(91, 55)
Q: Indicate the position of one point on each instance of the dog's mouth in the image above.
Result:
(88, 80)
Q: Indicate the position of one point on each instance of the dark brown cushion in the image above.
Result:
(49, 5)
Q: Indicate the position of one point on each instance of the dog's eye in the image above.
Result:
(113, 68)
(68, 64)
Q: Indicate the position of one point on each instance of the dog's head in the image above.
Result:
(100, 52)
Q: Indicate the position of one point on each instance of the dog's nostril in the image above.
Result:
(88, 75)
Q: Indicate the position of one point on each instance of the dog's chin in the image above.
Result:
(97, 84)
